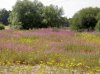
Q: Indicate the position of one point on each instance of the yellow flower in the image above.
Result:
(79, 64)
(17, 62)
(98, 70)
(91, 72)
(49, 63)
(87, 67)
(99, 61)
(8, 63)
(41, 62)
(61, 65)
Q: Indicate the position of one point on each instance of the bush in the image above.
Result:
(98, 16)
(97, 27)
(2, 26)
(85, 19)
(76, 23)
(35, 15)
(25, 14)
(17, 26)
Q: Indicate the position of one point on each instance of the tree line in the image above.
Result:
(28, 15)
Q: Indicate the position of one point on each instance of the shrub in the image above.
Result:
(76, 23)
(85, 19)
(2, 26)
(17, 26)
(35, 15)
(98, 16)
(25, 14)
(97, 27)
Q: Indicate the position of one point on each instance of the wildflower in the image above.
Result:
(49, 63)
(8, 63)
(91, 72)
(99, 61)
(79, 64)
(98, 70)
(41, 62)
(87, 67)
(18, 62)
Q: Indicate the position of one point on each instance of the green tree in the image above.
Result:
(29, 15)
(4, 14)
(85, 19)
(65, 22)
(98, 16)
(26, 14)
(76, 23)
(97, 27)
(52, 16)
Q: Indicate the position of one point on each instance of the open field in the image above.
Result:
(57, 48)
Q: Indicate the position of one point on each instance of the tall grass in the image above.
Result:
(62, 49)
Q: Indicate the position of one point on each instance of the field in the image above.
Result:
(58, 50)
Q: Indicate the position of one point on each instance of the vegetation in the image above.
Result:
(4, 14)
(98, 16)
(85, 19)
(1, 26)
(29, 15)
(62, 49)
(97, 28)
(52, 16)
(49, 50)
(25, 14)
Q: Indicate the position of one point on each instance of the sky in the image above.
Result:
(70, 7)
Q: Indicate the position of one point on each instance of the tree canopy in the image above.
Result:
(29, 15)
(85, 19)
(26, 14)
(52, 16)
(4, 14)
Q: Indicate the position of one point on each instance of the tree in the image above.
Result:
(65, 22)
(85, 19)
(52, 16)
(4, 14)
(98, 16)
(29, 15)
(76, 23)
(26, 14)
(97, 27)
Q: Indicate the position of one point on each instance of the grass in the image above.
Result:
(63, 49)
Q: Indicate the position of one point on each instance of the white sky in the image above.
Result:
(70, 6)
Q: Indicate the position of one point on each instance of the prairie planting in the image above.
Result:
(51, 47)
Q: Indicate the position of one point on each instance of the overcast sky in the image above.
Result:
(70, 6)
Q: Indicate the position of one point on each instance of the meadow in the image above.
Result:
(58, 50)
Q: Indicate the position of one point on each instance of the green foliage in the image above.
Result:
(65, 22)
(26, 14)
(29, 15)
(97, 28)
(17, 25)
(76, 23)
(85, 19)
(98, 16)
(52, 16)
(1, 26)
(4, 14)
